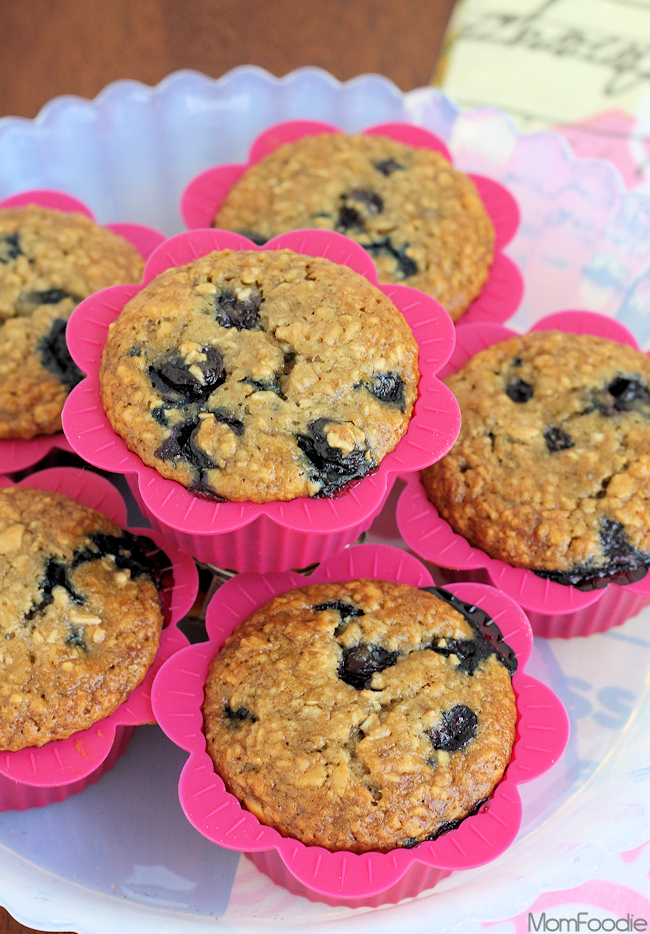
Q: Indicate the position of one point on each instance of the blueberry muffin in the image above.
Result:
(80, 616)
(421, 221)
(260, 376)
(362, 716)
(551, 469)
(49, 262)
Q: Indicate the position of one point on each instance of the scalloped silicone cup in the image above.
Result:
(269, 536)
(35, 777)
(17, 454)
(342, 877)
(555, 610)
(501, 294)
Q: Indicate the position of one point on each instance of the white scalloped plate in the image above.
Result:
(121, 855)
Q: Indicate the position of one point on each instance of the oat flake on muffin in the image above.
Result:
(260, 376)
(421, 220)
(49, 261)
(551, 469)
(363, 715)
(80, 616)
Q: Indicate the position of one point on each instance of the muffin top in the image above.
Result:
(80, 616)
(260, 376)
(49, 261)
(363, 715)
(550, 470)
(422, 222)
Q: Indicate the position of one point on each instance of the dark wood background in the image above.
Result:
(53, 47)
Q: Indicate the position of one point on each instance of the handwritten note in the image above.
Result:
(580, 66)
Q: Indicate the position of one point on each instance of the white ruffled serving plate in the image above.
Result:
(121, 856)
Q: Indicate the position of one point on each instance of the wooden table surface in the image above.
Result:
(77, 47)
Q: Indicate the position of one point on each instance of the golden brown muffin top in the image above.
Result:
(362, 715)
(422, 222)
(260, 376)
(49, 261)
(551, 468)
(80, 616)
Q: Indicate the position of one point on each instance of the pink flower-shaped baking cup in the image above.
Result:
(35, 777)
(503, 290)
(271, 536)
(17, 454)
(555, 610)
(343, 877)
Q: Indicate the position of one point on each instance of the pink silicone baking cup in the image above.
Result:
(17, 454)
(555, 610)
(35, 777)
(270, 536)
(501, 294)
(345, 878)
